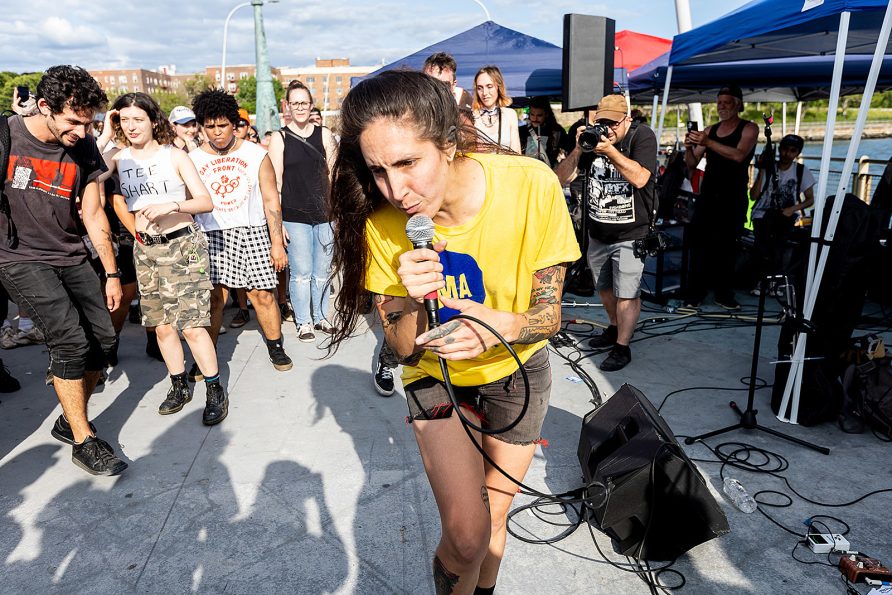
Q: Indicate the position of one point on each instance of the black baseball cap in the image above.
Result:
(793, 140)
(733, 91)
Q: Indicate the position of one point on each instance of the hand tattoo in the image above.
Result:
(443, 330)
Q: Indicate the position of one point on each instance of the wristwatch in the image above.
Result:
(114, 275)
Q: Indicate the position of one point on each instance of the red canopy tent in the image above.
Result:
(635, 50)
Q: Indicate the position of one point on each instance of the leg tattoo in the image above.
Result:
(444, 581)
(484, 494)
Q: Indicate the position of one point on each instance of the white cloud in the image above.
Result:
(60, 33)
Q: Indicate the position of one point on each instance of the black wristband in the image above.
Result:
(114, 275)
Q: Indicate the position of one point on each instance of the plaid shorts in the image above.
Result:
(240, 257)
(173, 282)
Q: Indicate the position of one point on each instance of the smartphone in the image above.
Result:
(692, 126)
(24, 94)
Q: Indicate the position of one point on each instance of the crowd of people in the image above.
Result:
(190, 209)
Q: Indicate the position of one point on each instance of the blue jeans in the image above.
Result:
(309, 259)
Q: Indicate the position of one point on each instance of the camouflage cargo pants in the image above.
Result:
(174, 282)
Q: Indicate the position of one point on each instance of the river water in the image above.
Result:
(874, 148)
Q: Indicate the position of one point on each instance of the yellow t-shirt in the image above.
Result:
(523, 226)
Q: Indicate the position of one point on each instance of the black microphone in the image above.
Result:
(420, 231)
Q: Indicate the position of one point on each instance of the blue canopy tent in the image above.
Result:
(772, 79)
(767, 29)
(531, 67)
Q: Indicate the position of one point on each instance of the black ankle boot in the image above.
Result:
(178, 395)
(217, 407)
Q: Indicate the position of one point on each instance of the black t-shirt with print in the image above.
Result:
(43, 183)
(619, 212)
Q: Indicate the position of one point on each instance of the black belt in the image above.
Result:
(164, 238)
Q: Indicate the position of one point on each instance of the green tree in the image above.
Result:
(11, 80)
(196, 85)
(247, 93)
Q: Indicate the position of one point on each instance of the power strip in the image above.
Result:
(822, 543)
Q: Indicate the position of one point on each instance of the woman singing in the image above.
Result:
(503, 236)
(492, 116)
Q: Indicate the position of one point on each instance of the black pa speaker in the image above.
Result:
(587, 60)
(644, 492)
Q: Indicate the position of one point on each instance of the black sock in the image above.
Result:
(181, 377)
(485, 590)
(271, 343)
(622, 348)
(212, 379)
(611, 331)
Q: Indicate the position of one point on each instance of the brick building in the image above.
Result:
(328, 80)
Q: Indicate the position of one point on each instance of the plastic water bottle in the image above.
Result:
(739, 496)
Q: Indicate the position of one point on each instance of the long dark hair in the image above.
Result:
(162, 130)
(413, 97)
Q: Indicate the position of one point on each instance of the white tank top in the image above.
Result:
(149, 181)
(233, 183)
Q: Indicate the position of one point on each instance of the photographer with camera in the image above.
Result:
(620, 158)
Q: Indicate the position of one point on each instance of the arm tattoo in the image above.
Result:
(545, 301)
(444, 581)
(274, 218)
(484, 494)
(391, 318)
(412, 360)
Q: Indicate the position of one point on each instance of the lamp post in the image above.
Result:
(266, 108)
(267, 112)
(225, 36)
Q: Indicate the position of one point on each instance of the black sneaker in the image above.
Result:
(619, 358)
(728, 303)
(195, 374)
(240, 319)
(62, 430)
(605, 339)
(95, 456)
(278, 357)
(217, 407)
(8, 384)
(177, 397)
(383, 379)
(287, 312)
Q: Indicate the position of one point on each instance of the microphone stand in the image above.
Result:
(748, 416)
(577, 271)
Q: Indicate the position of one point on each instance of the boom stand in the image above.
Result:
(748, 417)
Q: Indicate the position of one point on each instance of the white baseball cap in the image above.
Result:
(181, 115)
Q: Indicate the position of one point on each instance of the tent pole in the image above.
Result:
(784, 119)
(869, 87)
(653, 112)
(665, 102)
(794, 378)
(798, 117)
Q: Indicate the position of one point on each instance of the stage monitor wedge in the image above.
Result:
(646, 495)
(587, 74)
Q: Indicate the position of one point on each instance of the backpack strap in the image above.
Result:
(12, 236)
(285, 130)
(800, 171)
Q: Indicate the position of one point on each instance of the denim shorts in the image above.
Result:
(494, 405)
(614, 266)
(66, 303)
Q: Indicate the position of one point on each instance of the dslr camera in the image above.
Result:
(591, 136)
(650, 245)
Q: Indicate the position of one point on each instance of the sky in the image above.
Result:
(189, 34)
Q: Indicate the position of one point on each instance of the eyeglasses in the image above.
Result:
(299, 104)
(610, 123)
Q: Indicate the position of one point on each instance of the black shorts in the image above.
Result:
(496, 404)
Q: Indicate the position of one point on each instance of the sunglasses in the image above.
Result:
(242, 124)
